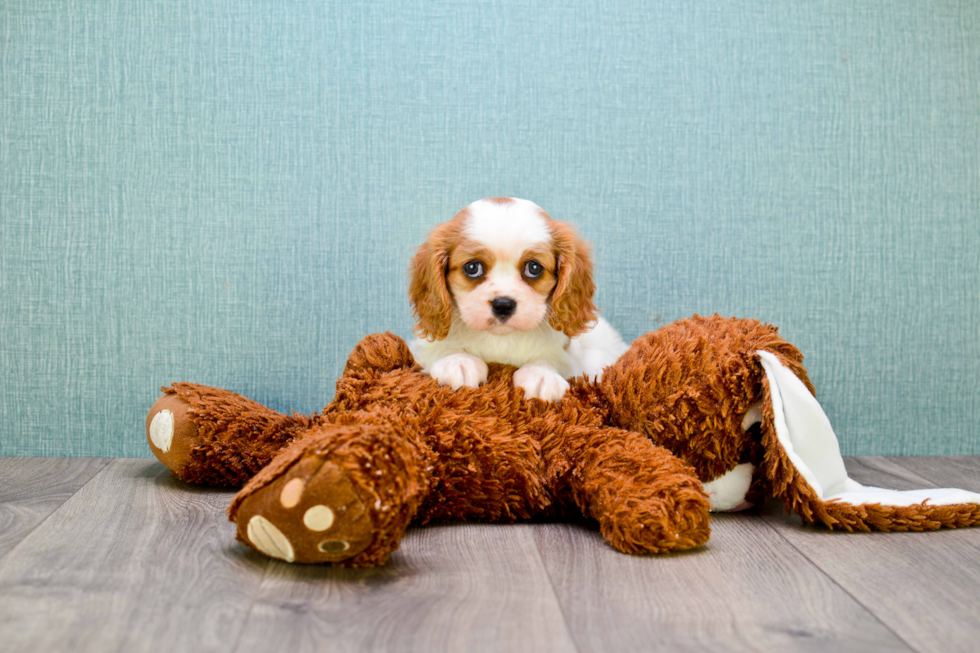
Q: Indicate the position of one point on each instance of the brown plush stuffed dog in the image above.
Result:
(720, 401)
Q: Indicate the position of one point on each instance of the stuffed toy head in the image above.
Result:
(706, 413)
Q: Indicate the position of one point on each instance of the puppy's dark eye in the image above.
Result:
(533, 270)
(473, 269)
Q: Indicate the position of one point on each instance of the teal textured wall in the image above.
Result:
(228, 192)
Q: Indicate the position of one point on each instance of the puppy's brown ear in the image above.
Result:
(428, 292)
(572, 310)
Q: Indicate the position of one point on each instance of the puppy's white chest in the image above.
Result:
(516, 349)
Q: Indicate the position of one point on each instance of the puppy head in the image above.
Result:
(505, 266)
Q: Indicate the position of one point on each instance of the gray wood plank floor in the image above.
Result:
(116, 555)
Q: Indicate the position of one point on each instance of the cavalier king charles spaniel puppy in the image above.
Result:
(503, 282)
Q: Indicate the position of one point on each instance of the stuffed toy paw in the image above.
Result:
(340, 493)
(704, 414)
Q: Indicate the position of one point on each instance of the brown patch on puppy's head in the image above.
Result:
(500, 200)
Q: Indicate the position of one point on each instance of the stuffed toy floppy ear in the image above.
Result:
(802, 465)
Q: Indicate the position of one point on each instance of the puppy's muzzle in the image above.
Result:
(503, 308)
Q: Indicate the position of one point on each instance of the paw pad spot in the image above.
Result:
(318, 518)
(333, 546)
(269, 540)
(162, 430)
(291, 493)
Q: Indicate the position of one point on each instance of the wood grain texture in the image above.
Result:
(137, 561)
(744, 591)
(944, 471)
(134, 561)
(33, 488)
(460, 587)
(923, 586)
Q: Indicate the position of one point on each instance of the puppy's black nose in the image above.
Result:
(503, 307)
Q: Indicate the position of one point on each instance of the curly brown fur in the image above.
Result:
(487, 463)
(688, 385)
(500, 457)
(645, 499)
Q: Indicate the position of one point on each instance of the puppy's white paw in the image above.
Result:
(541, 381)
(457, 370)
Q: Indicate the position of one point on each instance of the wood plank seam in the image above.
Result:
(554, 594)
(105, 464)
(251, 606)
(833, 580)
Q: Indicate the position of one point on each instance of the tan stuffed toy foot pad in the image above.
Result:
(309, 514)
(171, 432)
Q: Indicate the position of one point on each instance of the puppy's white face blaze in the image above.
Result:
(501, 237)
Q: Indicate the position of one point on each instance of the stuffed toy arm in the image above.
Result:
(645, 499)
